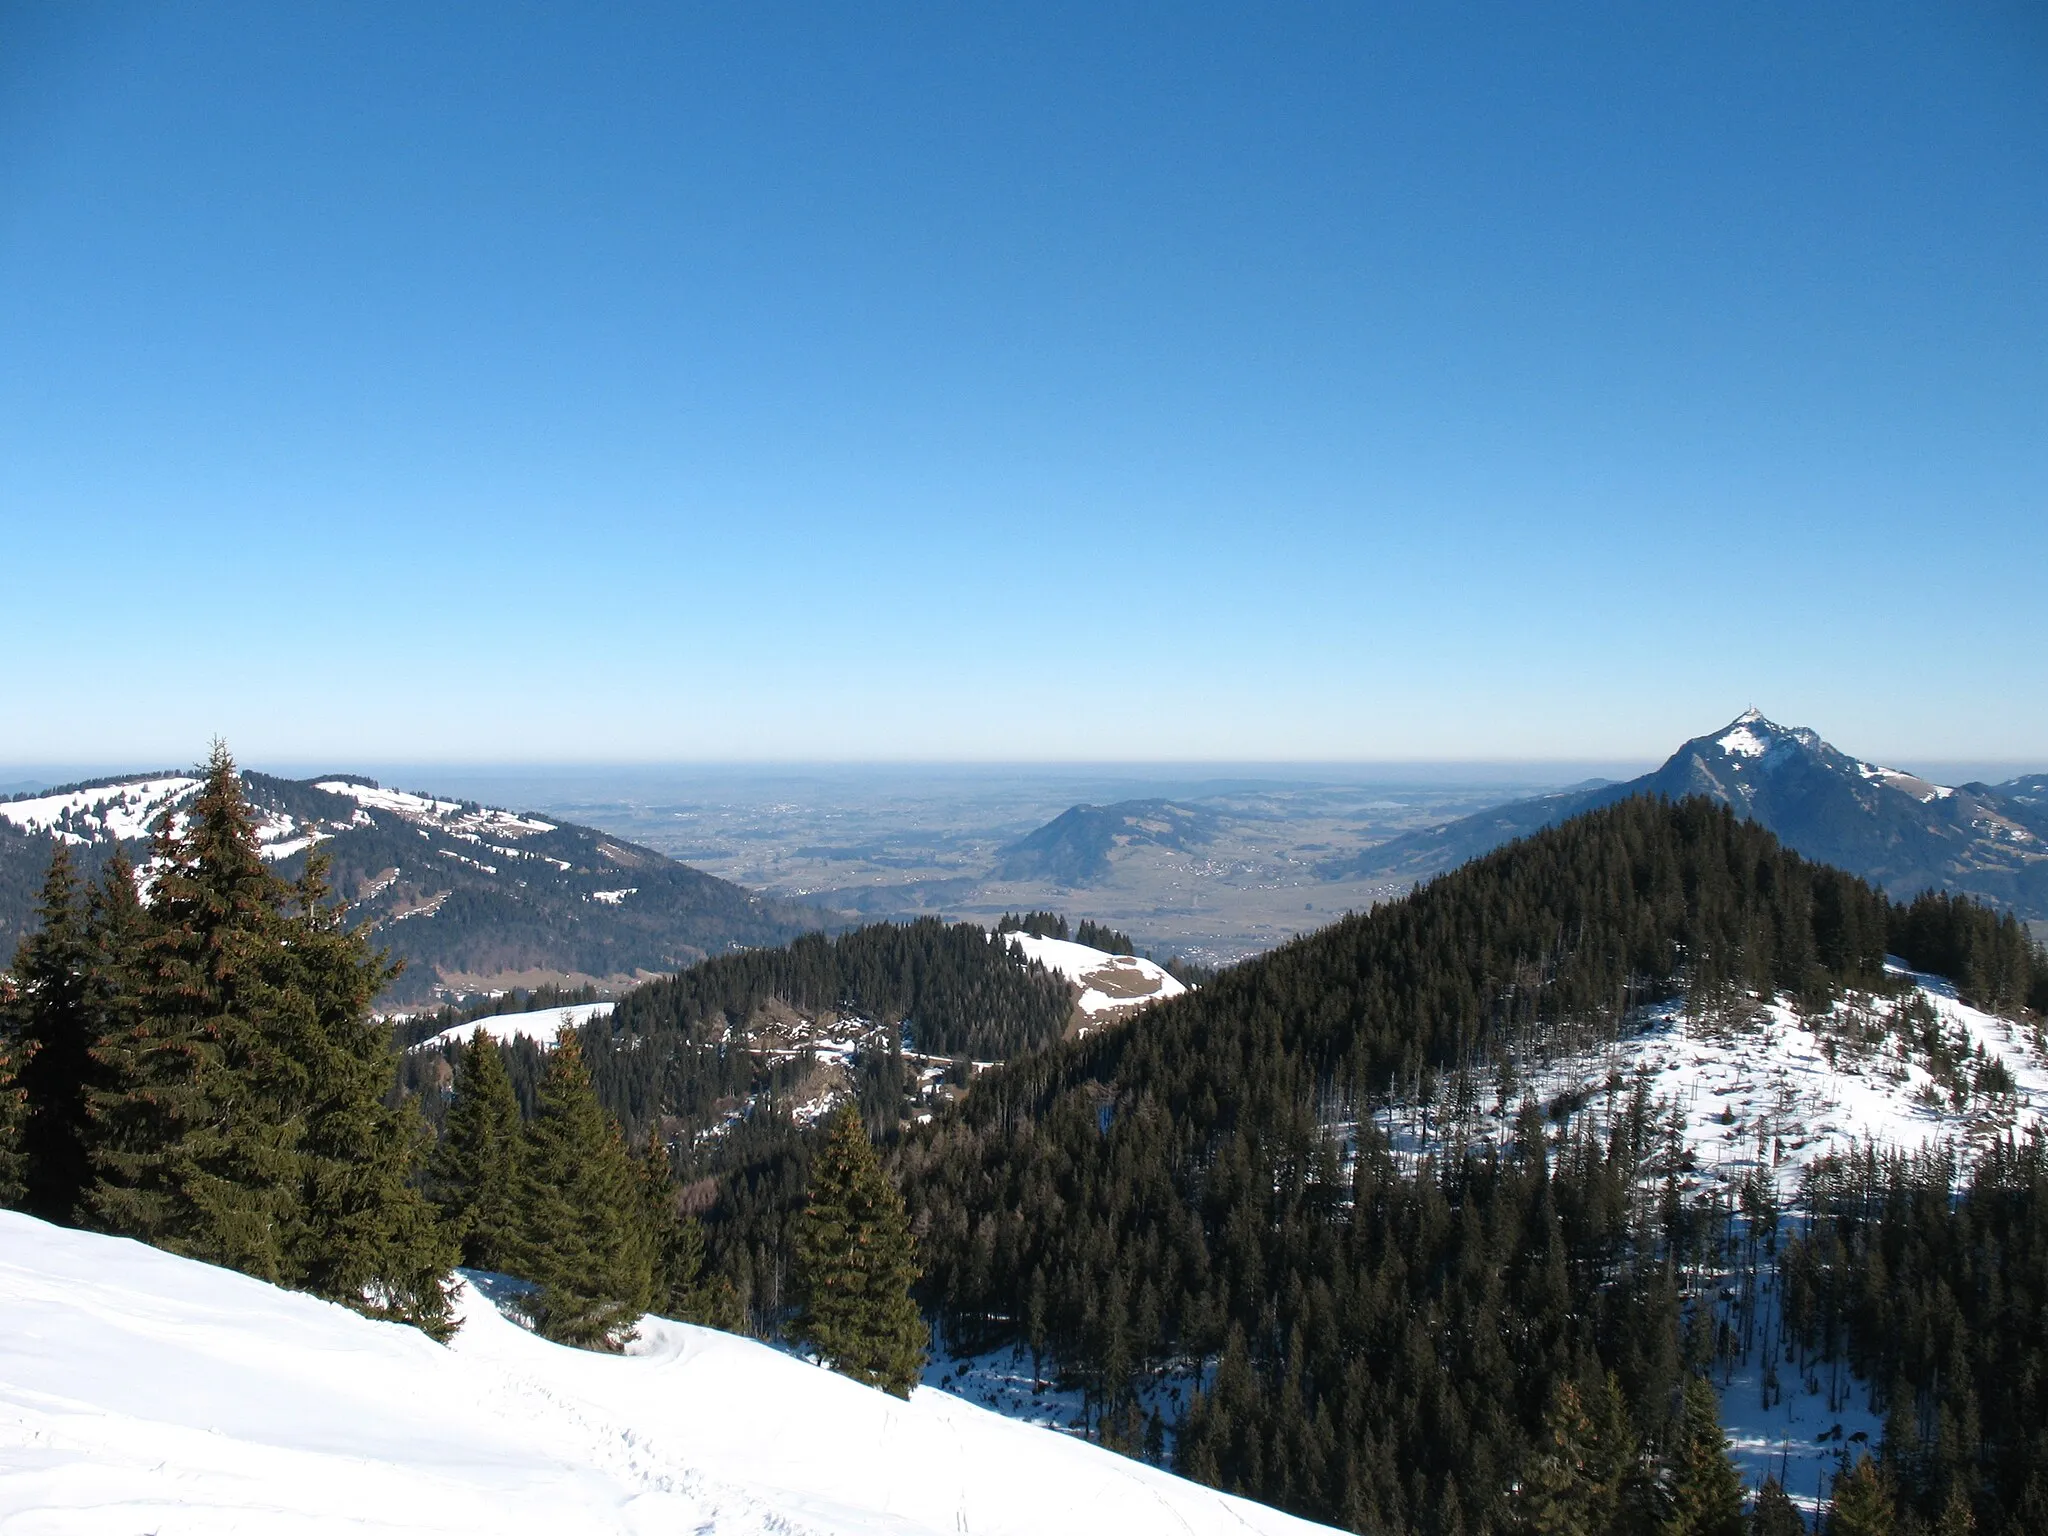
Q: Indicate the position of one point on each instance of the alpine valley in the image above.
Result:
(1666, 1158)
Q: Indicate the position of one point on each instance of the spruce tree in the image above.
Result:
(584, 1240)
(1707, 1496)
(365, 1235)
(855, 1263)
(1776, 1514)
(51, 1029)
(1862, 1502)
(196, 1135)
(1557, 1495)
(473, 1173)
(13, 1106)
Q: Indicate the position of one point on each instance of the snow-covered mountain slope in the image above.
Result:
(1756, 1087)
(472, 897)
(540, 1026)
(143, 1392)
(1110, 985)
(1893, 828)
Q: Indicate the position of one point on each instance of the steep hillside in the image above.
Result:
(1892, 828)
(139, 1391)
(1358, 1169)
(470, 896)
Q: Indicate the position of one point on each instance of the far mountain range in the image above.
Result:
(1893, 828)
(478, 899)
(470, 897)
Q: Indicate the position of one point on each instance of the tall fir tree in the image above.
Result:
(13, 1106)
(1707, 1491)
(197, 1145)
(1557, 1494)
(1775, 1513)
(855, 1263)
(1861, 1504)
(241, 1117)
(51, 1027)
(365, 1235)
(473, 1173)
(584, 1239)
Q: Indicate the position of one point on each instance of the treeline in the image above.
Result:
(1053, 925)
(1987, 954)
(1932, 1280)
(1389, 1342)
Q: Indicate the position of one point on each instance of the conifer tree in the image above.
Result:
(13, 1107)
(51, 1030)
(1775, 1513)
(241, 1116)
(365, 1235)
(855, 1262)
(1957, 1518)
(1862, 1502)
(584, 1239)
(1563, 1492)
(1553, 1495)
(473, 1173)
(684, 1286)
(197, 1133)
(1707, 1496)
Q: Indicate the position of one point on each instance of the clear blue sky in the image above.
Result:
(1152, 382)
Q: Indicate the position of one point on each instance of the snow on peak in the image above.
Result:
(1110, 984)
(1750, 735)
(144, 1391)
(1743, 742)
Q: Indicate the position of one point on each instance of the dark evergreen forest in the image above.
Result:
(1389, 1339)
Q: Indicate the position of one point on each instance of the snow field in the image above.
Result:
(124, 811)
(1110, 984)
(422, 808)
(143, 1392)
(540, 1026)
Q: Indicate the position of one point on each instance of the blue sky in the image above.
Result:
(1305, 382)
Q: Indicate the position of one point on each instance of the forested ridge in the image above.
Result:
(1511, 1334)
(1387, 1341)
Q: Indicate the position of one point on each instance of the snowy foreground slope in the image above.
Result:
(142, 1392)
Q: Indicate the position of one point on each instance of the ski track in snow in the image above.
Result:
(143, 1392)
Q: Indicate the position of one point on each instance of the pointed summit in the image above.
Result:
(1898, 829)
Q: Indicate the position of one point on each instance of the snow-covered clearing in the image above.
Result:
(541, 1026)
(143, 1392)
(1759, 1086)
(440, 812)
(1110, 984)
(125, 811)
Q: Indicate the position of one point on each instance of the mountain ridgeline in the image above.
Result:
(1394, 1338)
(1897, 830)
(469, 897)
